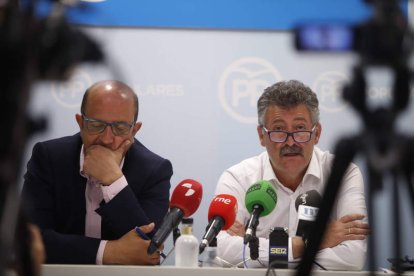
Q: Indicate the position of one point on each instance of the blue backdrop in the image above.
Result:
(214, 14)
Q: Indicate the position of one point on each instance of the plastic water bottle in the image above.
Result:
(186, 246)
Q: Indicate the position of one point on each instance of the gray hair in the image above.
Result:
(288, 94)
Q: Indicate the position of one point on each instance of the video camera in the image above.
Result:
(384, 39)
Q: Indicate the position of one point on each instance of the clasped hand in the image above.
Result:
(131, 249)
(348, 227)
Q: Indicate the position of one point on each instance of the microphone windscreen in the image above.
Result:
(261, 193)
(309, 198)
(187, 196)
(224, 206)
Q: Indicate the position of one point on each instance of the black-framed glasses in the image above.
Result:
(281, 136)
(95, 126)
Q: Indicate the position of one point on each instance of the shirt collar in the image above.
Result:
(268, 173)
(312, 170)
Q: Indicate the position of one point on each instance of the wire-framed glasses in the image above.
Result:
(281, 136)
(95, 126)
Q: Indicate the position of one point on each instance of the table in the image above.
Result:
(118, 270)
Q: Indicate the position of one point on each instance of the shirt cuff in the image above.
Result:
(101, 249)
(110, 191)
(290, 252)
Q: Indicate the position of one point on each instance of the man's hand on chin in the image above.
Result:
(103, 163)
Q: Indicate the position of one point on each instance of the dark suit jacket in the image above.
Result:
(56, 194)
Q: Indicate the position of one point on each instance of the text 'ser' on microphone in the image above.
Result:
(260, 200)
(221, 216)
(185, 200)
(307, 205)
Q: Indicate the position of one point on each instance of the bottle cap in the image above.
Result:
(187, 221)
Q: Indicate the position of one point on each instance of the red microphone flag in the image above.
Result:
(224, 206)
(187, 196)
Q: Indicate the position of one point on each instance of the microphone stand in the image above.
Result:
(385, 151)
(254, 247)
(176, 234)
(252, 223)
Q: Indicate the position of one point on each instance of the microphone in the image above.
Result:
(260, 200)
(307, 205)
(278, 248)
(185, 200)
(221, 216)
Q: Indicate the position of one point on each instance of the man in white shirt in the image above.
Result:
(289, 129)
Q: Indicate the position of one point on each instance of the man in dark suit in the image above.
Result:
(88, 191)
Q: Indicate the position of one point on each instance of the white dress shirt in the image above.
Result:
(349, 255)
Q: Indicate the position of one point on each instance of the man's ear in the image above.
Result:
(136, 128)
(261, 135)
(79, 120)
(318, 131)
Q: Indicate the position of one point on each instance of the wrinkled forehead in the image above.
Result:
(299, 113)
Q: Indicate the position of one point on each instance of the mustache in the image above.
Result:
(291, 150)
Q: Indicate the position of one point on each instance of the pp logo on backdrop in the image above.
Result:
(328, 86)
(69, 94)
(242, 83)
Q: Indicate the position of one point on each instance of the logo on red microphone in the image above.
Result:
(190, 191)
(223, 200)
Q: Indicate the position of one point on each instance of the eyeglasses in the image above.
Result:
(95, 126)
(280, 136)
